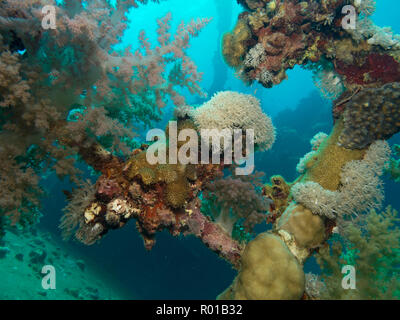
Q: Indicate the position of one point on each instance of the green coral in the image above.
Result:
(372, 246)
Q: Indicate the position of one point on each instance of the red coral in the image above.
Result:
(107, 188)
(377, 68)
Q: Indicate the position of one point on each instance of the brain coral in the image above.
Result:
(232, 110)
(371, 115)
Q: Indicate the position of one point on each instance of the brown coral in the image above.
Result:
(371, 115)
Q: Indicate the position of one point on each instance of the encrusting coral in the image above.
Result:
(360, 187)
(282, 34)
(372, 114)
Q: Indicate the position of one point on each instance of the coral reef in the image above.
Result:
(372, 246)
(236, 199)
(393, 168)
(285, 278)
(166, 196)
(98, 93)
(372, 114)
(69, 93)
(360, 187)
(273, 36)
(232, 110)
(277, 192)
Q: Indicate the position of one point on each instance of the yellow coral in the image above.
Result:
(258, 18)
(234, 44)
(268, 271)
(330, 159)
(174, 177)
(177, 192)
(307, 228)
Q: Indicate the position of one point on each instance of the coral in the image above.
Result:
(317, 140)
(176, 177)
(330, 84)
(371, 114)
(307, 228)
(236, 199)
(79, 201)
(385, 38)
(70, 93)
(366, 7)
(255, 56)
(373, 240)
(305, 160)
(278, 193)
(235, 44)
(360, 187)
(232, 110)
(393, 168)
(330, 159)
(282, 34)
(13, 89)
(98, 92)
(317, 199)
(314, 286)
(376, 69)
(284, 279)
(20, 191)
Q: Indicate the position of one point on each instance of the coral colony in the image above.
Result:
(71, 96)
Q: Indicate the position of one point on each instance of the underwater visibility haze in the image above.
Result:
(208, 149)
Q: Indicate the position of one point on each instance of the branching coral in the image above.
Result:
(373, 241)
(236, 199)
(13, 89)
(69, 93)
